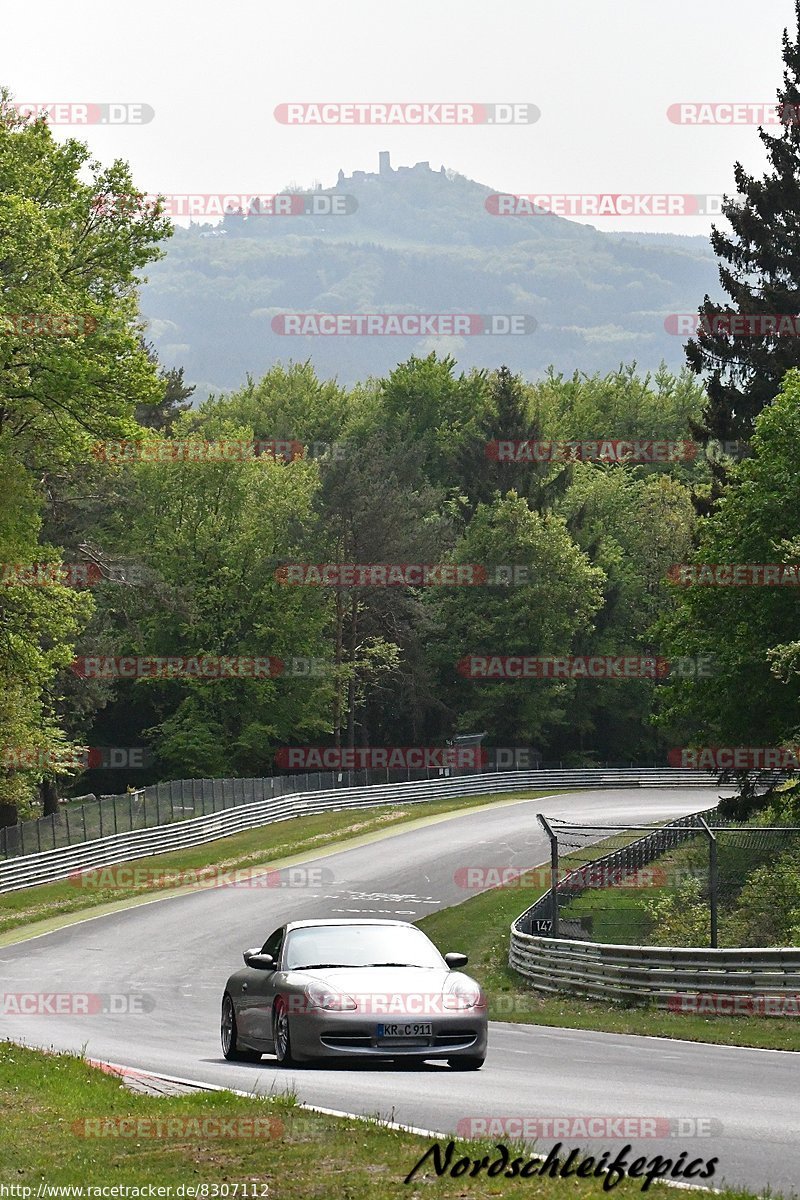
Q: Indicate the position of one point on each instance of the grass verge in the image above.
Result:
(615, 914)
(48, 1104)
(261, 847)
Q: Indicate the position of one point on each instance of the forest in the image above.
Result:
(199, 585)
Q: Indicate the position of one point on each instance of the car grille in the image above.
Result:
(344, 1040)
(335, 1040)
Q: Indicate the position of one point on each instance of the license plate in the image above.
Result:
(410, 1029)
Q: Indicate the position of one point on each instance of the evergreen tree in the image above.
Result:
(760, 272)
(484, 469)
(175, 396)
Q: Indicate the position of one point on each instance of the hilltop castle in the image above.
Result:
(385, 169)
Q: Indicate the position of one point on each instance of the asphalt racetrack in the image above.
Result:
(179, 951)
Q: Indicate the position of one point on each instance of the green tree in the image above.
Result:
(680, 916)
(288, 403)
(73, 240)
(175, 397)
(212, 534)
(375, 505)
(38, 626)
(481, 472)
(634, 525)
(423, 403)
(620, 404)
(752, 632)
(760, 272)
(541, 614)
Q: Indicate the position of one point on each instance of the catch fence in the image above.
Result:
(183, 799)
(698, 881)
(234, 810)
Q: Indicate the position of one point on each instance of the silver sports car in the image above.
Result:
(353, 989)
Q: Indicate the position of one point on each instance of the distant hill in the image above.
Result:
(419, 241)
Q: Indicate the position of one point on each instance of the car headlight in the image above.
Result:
(463, 995)
(322, 996)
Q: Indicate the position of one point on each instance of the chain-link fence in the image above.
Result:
(163, 803)
(699, 881)
(180, 799)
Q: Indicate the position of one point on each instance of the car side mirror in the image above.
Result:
(456, 961)
(261, 962)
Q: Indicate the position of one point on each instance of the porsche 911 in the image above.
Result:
(352, 989)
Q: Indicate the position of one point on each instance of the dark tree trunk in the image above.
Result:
(48, 794)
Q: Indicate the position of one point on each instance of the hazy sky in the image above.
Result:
(603, 73)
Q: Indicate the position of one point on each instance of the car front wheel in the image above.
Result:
(228, 1035)
(282, 1035)
(465, 1064)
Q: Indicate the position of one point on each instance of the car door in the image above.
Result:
(261, 989)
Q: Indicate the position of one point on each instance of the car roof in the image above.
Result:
(344, 921)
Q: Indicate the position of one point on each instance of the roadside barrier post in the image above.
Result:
(713, 881)
(553, 873)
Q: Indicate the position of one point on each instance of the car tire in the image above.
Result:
(465, 1063)
(282, 1035)
(228, 1034)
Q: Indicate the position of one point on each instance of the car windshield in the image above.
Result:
(359, 946)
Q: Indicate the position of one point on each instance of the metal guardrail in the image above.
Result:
(655, 974)
(62, 862)
(180, 799)
(156, 804)
(660, 975)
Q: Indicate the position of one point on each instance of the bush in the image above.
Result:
(680, 917)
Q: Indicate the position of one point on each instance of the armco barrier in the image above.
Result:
(653, 974)
(23, 872)
(89, 818)
(664, 976)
